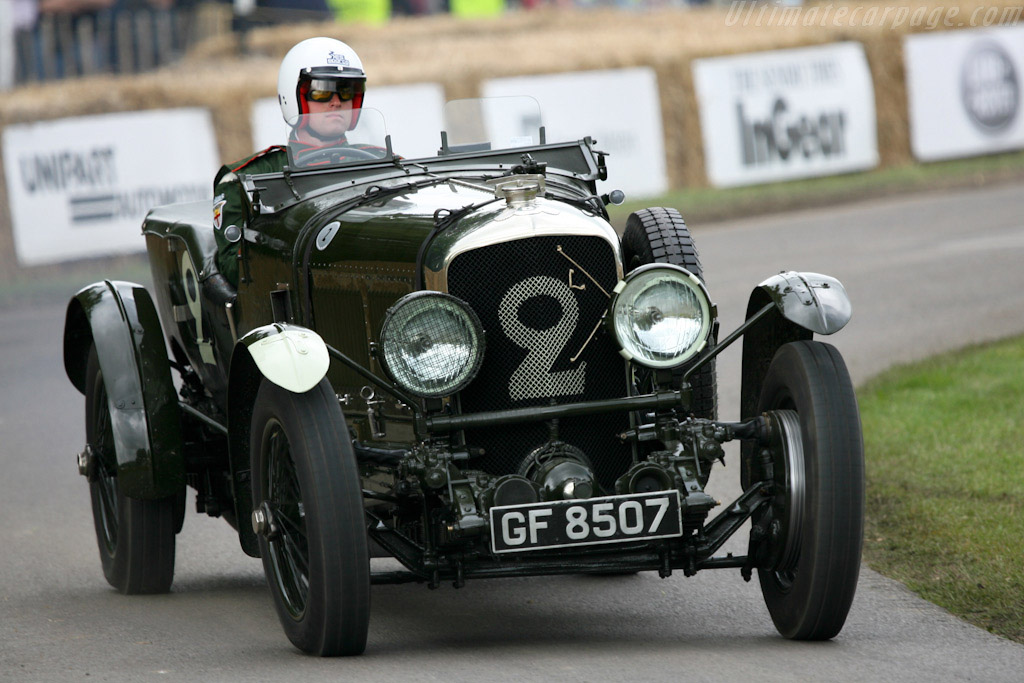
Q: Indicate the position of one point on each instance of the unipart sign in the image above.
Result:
(80, 187)
(786, 114)
(964, 92)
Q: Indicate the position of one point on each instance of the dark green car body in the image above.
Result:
(556, 413)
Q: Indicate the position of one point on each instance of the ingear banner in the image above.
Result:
(785, 114)
(964, 92)
(80, 187)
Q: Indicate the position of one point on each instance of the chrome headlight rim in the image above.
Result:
(410, 304)
(627, 288)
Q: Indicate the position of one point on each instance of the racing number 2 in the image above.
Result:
(534, 378)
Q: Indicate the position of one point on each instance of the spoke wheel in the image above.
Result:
(809, 561)
(660, 235)
(313, 537)
(289, 547)
(135, 537)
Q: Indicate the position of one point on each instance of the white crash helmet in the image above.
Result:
(321, 59)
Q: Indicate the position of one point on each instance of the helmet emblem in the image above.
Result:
(336, 58)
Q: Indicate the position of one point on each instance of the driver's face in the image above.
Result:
(330, 119)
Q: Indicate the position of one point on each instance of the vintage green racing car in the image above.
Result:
(457, 362)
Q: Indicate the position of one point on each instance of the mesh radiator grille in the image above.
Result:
(541, 313)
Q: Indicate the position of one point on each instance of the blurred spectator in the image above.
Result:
(361, 11)
(20, 50)
(268, 12)
(476, 8)
(67, 40)
(24, 14)
(300, 9)
(142, 33)
(415, 7)
(78, 37)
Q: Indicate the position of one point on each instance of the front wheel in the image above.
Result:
(809, 560)
(310, 520)
(135, 537)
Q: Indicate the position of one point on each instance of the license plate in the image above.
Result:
(591, 521)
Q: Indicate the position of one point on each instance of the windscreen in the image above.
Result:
(339, 136)
(492, 123)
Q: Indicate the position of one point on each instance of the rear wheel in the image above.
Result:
(135, 537)
(809, 560)
(310, 519)
(660, 235)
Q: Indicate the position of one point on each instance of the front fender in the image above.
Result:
(805, 303)
(120, 319)
(292, 357)
(815, 302)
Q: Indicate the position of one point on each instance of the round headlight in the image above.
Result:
(432, 344)
(661, 315)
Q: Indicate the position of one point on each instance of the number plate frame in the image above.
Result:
(544, 526)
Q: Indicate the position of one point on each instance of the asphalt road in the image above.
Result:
(926, 274)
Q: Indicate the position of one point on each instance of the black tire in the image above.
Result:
(135, 537)
(810, 560)
(660, 235)
(315, 558)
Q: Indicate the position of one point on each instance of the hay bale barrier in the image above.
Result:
(461, 54)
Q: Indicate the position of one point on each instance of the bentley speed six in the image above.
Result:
(457, 362)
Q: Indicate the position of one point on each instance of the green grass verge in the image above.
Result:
(945, 465)
(707, 204)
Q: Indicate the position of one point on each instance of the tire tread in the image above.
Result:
(817, 604)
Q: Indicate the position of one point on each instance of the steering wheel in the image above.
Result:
(336, 155)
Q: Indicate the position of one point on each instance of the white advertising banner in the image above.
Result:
(412, 114)
(964, 91)
(785, 114)
(80, 187)
(619, 108)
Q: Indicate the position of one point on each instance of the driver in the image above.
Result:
(320, 87)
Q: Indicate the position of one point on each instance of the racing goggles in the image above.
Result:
(323, 90)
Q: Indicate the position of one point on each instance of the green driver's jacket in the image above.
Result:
(230, 205)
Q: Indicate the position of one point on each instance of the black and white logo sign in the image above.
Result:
(989, 88)
(785, 114)
(787, 134)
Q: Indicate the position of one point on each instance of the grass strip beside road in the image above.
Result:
(945, 465)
